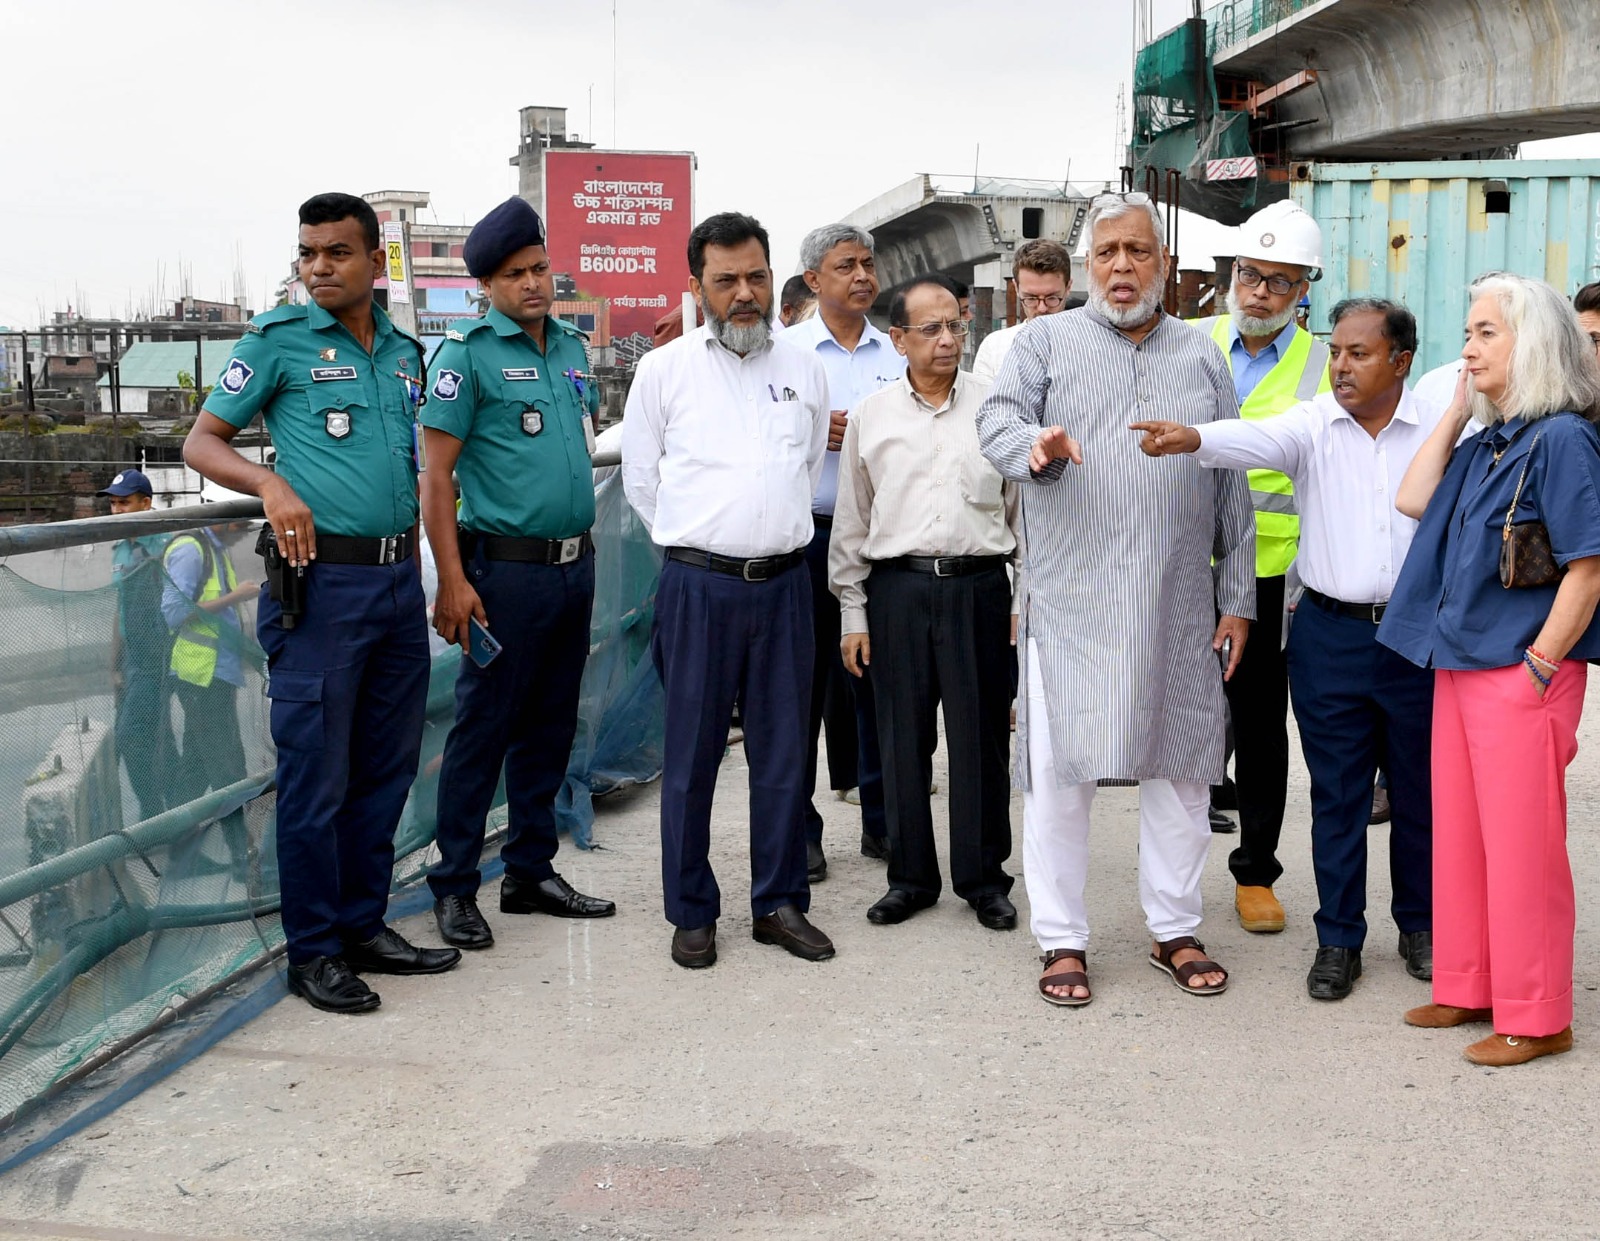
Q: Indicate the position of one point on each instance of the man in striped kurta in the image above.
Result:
(1120, 637)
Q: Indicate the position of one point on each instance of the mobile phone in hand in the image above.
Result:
(481, 645)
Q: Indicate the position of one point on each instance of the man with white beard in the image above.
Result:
(1119, 629)
(722, 447)
(1276, 365)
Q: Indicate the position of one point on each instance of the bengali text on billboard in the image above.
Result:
(618, 224)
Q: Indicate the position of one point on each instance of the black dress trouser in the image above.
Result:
(944, 640)
(1258, 700)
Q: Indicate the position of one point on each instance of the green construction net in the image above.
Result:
(137, 859)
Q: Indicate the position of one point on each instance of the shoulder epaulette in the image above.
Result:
(287, 313)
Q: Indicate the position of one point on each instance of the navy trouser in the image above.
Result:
(1359, 706)
(841, 701)
(144, 736)
(349, 690)
(719, 640)
(520, 713)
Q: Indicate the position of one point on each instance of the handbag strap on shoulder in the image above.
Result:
(1505, 534)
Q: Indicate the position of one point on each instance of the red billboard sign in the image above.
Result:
(618, 224)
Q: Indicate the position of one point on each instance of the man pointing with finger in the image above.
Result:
(1119, 632)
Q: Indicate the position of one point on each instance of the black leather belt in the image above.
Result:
(348, 549)
(1356, 611)
(527, 551)
(758, 569)
(947, 566)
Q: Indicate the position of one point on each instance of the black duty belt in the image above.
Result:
(527, 551)
(947, 566)
(347, 549)
(758, 569)
(1356, 611)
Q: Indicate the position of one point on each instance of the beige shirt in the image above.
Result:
(912, 482)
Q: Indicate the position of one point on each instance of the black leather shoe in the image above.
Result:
(897, 905)
(1333, 973)
(816, 863)
(1417, 949)
(389, 952)
(461, 923)
(995, 911)
(328, 984)
(787, 927)
(694, 948)
(553, 896)
(876, 847)
(1221, 824)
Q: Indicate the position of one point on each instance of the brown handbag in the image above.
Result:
(1526, 559)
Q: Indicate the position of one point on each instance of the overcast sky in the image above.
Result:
(175, 135)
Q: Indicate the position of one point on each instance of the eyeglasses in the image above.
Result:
(1051, 301)
(1137, 197)
(1250, 278)
(931, 331)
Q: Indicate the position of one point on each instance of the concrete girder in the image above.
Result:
(1425, 79)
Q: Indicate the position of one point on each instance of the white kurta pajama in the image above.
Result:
(1119, 603)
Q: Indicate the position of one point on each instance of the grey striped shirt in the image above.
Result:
(1118, 588)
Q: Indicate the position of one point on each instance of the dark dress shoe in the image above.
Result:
(816, 863)
(1381, 810)
(1417, 949)
(461, 923)
(787, 927)
(695, 947)
(551, 896)
(1334, 973)
(995, 911)
(328, 984)
(1221, 824)
(897, 905)
(389, 952)
(875, 847)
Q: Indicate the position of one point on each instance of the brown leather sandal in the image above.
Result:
(1161, 958)
(1065, 978)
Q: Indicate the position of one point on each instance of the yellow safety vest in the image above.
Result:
(194, 652)
(1300, 374)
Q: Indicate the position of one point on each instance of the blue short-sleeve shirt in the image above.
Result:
(1449, 609)
(340, 418)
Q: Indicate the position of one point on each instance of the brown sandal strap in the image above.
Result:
(1055, 954)
(1166, 947)
(1183, 973)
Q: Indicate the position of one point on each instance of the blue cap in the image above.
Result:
(505, 230)
(128, 483)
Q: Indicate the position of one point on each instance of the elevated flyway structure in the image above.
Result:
(925, 224)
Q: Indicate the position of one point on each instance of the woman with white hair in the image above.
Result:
(1498, 595)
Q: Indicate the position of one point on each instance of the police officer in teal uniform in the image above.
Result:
(510, 410)
(337, 385)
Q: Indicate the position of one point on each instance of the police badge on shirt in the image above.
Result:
(532, 420)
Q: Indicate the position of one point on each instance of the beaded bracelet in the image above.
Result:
(1527, 658)
(1543, 658)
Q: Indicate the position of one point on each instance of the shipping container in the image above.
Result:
(1420, 232)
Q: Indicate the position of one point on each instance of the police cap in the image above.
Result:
(505, 230)
(127, 483)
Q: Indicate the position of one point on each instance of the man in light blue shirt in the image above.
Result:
(859, 359)
(1250, 369)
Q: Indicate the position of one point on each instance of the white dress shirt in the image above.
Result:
(913, 482)
(722, 453)
(993, 352)
(1352, 538)
(853, 375)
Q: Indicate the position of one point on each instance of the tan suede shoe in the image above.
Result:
(1258, 908)
(1443, 1016)
(1499, 1050)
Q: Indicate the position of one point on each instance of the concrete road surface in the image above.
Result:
(574, 1083)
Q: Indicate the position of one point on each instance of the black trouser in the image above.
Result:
(1258, 700)
(213, 753)
(944, 640)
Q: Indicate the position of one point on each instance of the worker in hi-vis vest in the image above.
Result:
(200, 602)
(1276, 364)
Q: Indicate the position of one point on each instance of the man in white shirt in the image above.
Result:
(1357, 703)
(841, 271)
(923, 533)
(1042, 271)
(722, 446)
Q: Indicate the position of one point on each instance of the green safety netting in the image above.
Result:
(137, 860)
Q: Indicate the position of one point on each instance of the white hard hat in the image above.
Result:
(1283, 232)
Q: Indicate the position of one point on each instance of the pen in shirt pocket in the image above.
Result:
(789, 394)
